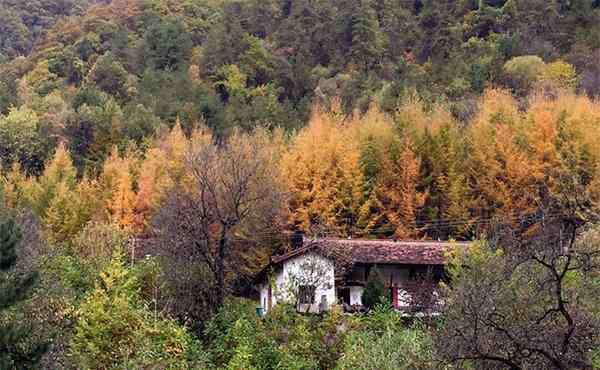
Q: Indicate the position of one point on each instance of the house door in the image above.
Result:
(344, 295)
(394, 293)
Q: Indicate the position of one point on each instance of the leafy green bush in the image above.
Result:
(561, 73)
(220, 330)
(523, 71)
(284, 339)
(383, 343)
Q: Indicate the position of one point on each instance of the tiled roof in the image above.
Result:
(378, 251)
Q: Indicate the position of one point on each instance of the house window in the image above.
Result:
(307, 294)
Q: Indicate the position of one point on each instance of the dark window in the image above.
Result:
(307, 294)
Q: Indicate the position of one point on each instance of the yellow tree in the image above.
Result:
(122, 201)
(59, 170)
(323, 175)
(161, 168)
(396, 189)
(63, 204)
(152, 182)
(70, 210)
(502, 174)
(117, 182)
(521, 161)
(15, 187)
(375, 133)
(562, 136)
(441, 150)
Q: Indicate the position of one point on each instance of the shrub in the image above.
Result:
(382, 343)
(284, 339)
(523, 72)
(220, 330)
(561, 73)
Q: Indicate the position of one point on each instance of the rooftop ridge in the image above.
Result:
(389, 241)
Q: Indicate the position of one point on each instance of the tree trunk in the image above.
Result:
(220, 267)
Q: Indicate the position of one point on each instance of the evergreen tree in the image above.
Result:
(16, 351)
(374, 292)
(366, 37)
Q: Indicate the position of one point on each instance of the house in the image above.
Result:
(316, 273)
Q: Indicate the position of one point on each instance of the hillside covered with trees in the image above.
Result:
(155, 153)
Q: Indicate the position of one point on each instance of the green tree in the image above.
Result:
(167, 44)
(22, 140)
(375, 291)
(224, 44)
(109, 76)
(14, 35)
(8, 91)
(66, 64)
(16, 350)
(257, 62)
(366, 50)
(115, 329)
(523, 72)
(250, 107)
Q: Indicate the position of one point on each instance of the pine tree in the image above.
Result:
(397, 189)
(117, 180)
(16, 351)
(323, 171)
(374, 292)
(121, 205)
(366, 50)
(59, 169)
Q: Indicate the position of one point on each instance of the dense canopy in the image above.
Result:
(155, 153)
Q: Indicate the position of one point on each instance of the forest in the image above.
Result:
(155, 153)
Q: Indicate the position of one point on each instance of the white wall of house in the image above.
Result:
(356, 295)
(280, 283)
(264, 296)
(404, 298)
(283, 283)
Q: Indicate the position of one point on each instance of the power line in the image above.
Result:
(448, 223)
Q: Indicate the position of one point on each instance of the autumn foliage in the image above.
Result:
(415, 174)
(420, 173)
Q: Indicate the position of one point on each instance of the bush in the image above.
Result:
(284, 339)
(561, 73)
(220, 330)
(523, 72)
(383, 343)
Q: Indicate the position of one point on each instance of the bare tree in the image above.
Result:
(527, 301)
(423, 296)
(225, 211)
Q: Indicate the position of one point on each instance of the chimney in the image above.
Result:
(297, 239)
